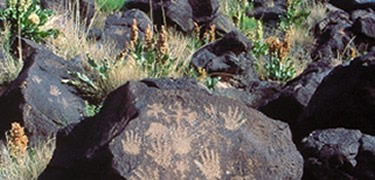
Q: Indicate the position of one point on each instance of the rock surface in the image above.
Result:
(173, 129)
(118, 27)
(288, 104)
(227, 56)
(37, 98)
(338, 154)
(345, 98)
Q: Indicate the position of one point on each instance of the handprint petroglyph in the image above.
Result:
(210, 110)
(233, 119)
(145, 174)
(182, 141)
(156, 130)
(161, 152)
(54, 91)
(182, 167)
(132, 143)
(209, 164)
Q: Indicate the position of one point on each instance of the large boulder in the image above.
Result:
(183, 13)
(332, 35)
(227, 56)
(345, 98)
(350, 5)
(364, 28)
(37, 98)
(118, 27)
(338, 154)
(288, 104)
(269, 10)
(174, 129)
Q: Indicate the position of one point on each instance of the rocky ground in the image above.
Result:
(317, 125)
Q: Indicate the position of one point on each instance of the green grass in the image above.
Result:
(110, 5)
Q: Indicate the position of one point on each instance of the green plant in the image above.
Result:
(91, 109)
(296, 15)
(280, 70)
(25, 18)
(110, 5)
(90, 85)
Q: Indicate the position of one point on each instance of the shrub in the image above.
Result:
(25, 18)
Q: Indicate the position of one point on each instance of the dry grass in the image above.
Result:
(318, 12)
(28, 167)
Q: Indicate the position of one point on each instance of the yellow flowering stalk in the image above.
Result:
(17, 140)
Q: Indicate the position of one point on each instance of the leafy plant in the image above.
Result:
(91, 109)
(110, 5)
(296, 15)
(90, 85)
(280, 70)
(25, 18)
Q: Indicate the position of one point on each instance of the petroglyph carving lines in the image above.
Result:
(180, 113)
(233, 119)
(210, 164)
(36, 79)
(54, 90)
(182, 167)
(211, 111)
(155, 110)
(145, 174)
(156, 130)
(64, 102)
(161, 151)
(181, 141)
(132, 143)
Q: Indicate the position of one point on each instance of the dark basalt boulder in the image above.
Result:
(269, 10)
(183, 13)
(174, 129)
(345, 98)
(364, 26)
(350, 5)
(227, 56)
(288, 104)
(118, 27)
(37, 99)
(338, 154)
(332, 35)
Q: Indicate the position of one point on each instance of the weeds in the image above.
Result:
(110, 5)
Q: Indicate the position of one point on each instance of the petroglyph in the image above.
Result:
(54, 90)
(156, 130)
(64, 102)
(182, 141)
(145, 174)
(180, 113)
(209, 164)
(132, 143)
(233, 118)
(161, 152)
(182, 167)
(156, 110)
(36, 79)
(211, 111)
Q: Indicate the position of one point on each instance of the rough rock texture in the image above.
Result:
(268, 10)
(118, 27)
(364, 24)
(338, 154)
(184, 13)
(227, 56)
(86, 7)
(345, 98)
(37, 98)
(172, 129)
(288, 104)
(333, 34)
(350, 5)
